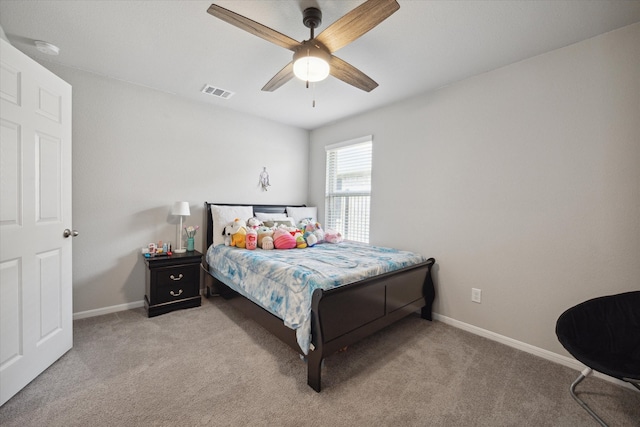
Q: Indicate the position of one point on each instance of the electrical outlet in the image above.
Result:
(476, 295)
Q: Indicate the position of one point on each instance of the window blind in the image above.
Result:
(348, 188)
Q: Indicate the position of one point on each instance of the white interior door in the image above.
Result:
(36, 325)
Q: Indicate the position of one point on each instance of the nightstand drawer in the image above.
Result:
(177, 276)
(175, 292)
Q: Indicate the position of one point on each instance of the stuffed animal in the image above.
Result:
(302, 225)
(254, 223)
(282, 239)
(267, 243)
(319, 233)
(310, 238)
(251, 239)
(238, 239)
(262, 233)
(300, 242)
(227, 232)
(333, 236)
(314, 228)
(238, 233)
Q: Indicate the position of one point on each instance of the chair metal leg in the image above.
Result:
(572, 389)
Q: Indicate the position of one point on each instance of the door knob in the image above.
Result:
(69, 233)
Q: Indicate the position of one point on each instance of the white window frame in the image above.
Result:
(348, 211)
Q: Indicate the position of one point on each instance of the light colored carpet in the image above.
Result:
(211, 366)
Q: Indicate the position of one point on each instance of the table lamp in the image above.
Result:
(180, 209)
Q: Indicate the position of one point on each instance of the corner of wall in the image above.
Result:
(3, 36)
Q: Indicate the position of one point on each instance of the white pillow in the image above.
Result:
(263, 216)
(223, 215)
(299, 214)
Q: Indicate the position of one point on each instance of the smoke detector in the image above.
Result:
(46, 47)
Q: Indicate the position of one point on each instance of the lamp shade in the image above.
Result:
(311, 63)
(181, 208)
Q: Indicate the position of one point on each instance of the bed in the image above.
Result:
(327, 316)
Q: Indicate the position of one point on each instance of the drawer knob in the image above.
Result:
(176, 278)
(173, 294)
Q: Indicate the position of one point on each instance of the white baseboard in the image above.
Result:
(528, 348)
(107, 310)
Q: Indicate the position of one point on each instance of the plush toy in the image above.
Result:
(251, 239)
(310, 238)
(227, 239)
(333, 236)
(267, 243)
(314, 228)
(262, 233)
(319, 233)
(302, 225)
(238, 239)
(238, 232)
(254, 223)
(300, 242)
(227, 232)
(282, 239)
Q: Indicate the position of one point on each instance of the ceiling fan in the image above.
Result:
(313, 59)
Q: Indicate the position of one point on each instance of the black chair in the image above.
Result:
(604, 334)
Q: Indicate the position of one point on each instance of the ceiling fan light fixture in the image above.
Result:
(311, 64)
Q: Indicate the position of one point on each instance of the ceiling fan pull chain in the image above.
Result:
(313, 104)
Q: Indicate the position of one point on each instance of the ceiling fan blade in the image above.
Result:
(253, 27)
(356, 23)
(280, 78)
(351, 75)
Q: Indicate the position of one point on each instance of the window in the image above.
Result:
(348, 188)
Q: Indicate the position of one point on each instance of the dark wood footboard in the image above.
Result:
(344, 315)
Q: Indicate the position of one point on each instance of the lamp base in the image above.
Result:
(179, 251)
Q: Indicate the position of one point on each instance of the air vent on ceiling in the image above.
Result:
(216, 91)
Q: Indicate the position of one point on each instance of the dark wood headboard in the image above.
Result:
(256, 208)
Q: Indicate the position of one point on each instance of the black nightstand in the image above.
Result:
(172, 282)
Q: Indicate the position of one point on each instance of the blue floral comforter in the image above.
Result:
(283, 281)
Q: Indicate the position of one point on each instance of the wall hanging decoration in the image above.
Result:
(264, 179)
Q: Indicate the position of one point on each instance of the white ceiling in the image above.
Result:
(177, 47)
